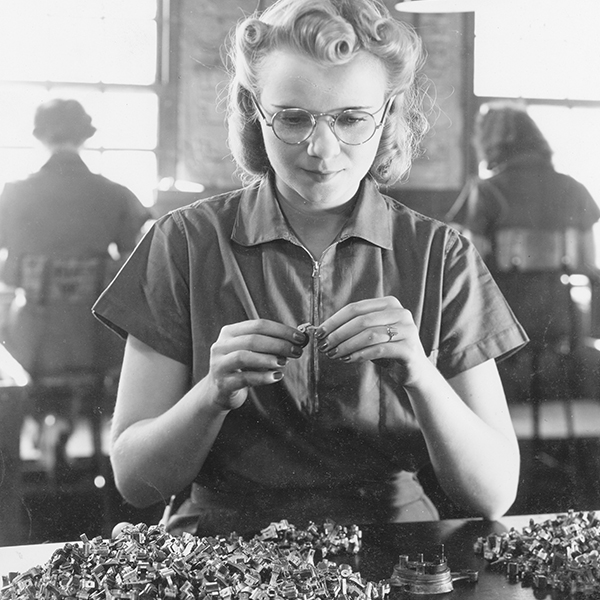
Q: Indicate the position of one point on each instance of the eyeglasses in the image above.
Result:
(351, 127)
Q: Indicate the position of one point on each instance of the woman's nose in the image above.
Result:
(323, 142)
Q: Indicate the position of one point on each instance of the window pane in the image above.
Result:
(129, 51)
(50, 49)
(127, 120)
(18, 164)
(74, 8)
(11, 10)
(573, 135)
(24, 42)
(74, 50)
(136, 170)
(93, 159)
(92, 42)
(85, 50)
(140, 9)
(17, 108)
(526, 49)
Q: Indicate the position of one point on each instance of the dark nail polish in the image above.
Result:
(295, 351)
(323, 346)
(332, 352)
(277, 375)
(281, 361)
(320, 333)
(301, 338)
(346, 358)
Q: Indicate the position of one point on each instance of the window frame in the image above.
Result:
(164, 87)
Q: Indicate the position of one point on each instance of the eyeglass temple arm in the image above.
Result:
(386, 110)
(259, 109)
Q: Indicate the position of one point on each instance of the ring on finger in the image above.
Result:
(392, 332)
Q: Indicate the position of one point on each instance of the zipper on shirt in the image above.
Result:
(315, 318)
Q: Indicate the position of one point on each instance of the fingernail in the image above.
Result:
(300, 337)
(332, 352)
(322, 347)
(347, 358)
(277, 375)
(295, 351)
(320, 333)
(281, 361)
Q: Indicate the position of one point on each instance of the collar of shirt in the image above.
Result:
(63, 161)
(260, 219)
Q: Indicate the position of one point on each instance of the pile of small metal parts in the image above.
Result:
(143, 563)
(562, 554)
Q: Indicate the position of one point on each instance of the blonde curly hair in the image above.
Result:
(331, 32)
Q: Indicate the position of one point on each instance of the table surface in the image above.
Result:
(382, 544)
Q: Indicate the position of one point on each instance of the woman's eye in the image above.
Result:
(352, 119)
(294, 119)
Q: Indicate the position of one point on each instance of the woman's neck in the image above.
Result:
(315, 226)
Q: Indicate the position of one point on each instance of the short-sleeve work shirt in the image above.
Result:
(327, 423)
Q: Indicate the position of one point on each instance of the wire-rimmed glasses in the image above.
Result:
(351, 126)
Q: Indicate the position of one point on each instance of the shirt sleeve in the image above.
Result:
(149, 298)
(477, 322)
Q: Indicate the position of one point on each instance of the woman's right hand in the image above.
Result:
(162, 431)
(249, 354)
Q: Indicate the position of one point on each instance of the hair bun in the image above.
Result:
(58, 121)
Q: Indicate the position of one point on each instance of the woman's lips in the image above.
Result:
(322, 175)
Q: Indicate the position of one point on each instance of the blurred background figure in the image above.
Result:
(533, 227)
(64, 232)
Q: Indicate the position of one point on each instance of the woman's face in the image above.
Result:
(321, 171)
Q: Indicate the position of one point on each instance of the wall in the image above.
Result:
(441, 167)
(203, 152)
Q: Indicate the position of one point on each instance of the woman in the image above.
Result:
(532, 225)
(64, 232)
(221, 389)
(58, 228)
(525, 193)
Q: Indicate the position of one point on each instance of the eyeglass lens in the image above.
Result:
(295, 125)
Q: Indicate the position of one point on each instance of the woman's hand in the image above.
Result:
(378, 329)
(249, 354)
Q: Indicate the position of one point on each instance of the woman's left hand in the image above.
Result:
(377, 329)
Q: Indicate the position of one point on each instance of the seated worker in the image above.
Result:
(64, 231)
(532, 225)
(223, 392)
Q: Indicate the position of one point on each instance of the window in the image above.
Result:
(538, 49)
(545, 53)
(103, 53)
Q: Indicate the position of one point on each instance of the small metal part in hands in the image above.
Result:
(306, 328)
